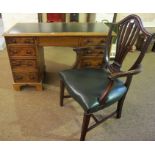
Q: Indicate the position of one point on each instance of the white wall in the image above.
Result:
(2, 44)
(44, 17)
(82, 17)
(148, 19)
(10, 19)
(104, 16)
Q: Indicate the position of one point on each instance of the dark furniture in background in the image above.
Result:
(74, 17)
(96, 89)
(55, 17)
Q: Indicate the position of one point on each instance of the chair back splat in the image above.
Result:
(128, 31)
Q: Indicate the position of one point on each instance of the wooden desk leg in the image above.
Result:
(38, 86)
(16, 87)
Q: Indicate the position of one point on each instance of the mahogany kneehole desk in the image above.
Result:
(25, 43)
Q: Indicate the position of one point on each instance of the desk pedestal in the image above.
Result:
(26, 56)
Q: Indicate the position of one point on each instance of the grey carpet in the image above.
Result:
(33, 115)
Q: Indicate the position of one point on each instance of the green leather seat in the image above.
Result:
(86, 86)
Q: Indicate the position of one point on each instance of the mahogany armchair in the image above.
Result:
(96, 89)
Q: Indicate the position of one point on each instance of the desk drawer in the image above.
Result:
(58, 41)
(88, 41)
(91, 62)
(23, 77)
(22, 64)
(20, 40)
(21, 50)
(94, 52)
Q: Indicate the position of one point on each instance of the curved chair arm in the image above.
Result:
(113, 76)
(125, 74)
(105, 93)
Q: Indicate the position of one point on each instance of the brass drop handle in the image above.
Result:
(86, 64)
(29, 63)
(102, 41)
(18, 77)
(88, 41)
(16, 63)
(28, 52)
(32, 77)
(13, 51)
(13, 40)
(27, 41)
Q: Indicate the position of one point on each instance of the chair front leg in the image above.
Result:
(120, 106)
(62, 87)
(86, 119)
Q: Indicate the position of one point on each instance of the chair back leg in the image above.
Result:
(86, 119)
(121, 101)
(62, 87)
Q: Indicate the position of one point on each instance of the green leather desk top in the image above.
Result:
(58, 29)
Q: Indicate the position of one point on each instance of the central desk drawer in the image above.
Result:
(88, 41)
(21, 50)
(58, 41)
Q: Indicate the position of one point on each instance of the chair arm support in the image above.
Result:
(105, 93)
(124, 74)
(113, 76)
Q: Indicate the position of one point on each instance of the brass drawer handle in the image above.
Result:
(18, 77)
(32, 77)
(28, 41)
(29, 63)
(13, 41)
(88, 41)
(102, 41)
(14, 51)
(28, 52)
(16, 64)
